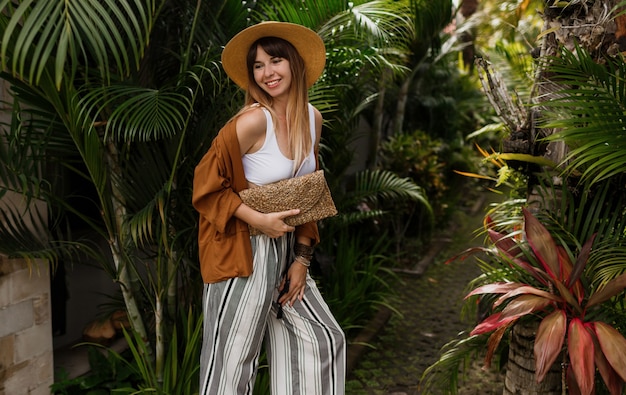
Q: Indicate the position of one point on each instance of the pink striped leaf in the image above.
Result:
(541, 243)
(612, 380)
(569, 298)
(495, 288)
(581, 261)
(505, 243)
(510, 248)
(536, 272)
(467, 253)
(493, 343)
(523, 305)
(613, 346)
(527, 290)
(611, 289)
(581, 356)
(549, 342)
(572, 384)
(567, 270)
(491, 323)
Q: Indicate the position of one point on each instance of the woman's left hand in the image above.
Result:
(297, 284)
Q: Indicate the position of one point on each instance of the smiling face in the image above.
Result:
(272, 73)
(275, 70)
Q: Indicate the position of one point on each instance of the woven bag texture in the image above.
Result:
(309, 193)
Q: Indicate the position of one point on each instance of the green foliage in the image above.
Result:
(358, 281)
(568, 216)
(444, 374)
(71, 32)
(109, 375)
(126, 97)
(572, 209)
(588, 111)
(180, 373)
(262, 382)
(134, 372)
(443, 102)
(421, 158)
(354, 258)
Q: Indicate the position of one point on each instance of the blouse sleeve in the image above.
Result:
(214, 196)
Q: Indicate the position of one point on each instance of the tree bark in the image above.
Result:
(520, 369)
(588, 24)
(467, 8)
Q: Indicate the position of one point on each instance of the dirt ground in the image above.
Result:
(429, 302)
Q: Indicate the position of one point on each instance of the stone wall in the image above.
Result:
(26, 358)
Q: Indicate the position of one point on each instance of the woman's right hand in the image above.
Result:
(273, 224)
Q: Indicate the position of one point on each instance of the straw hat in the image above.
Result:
(308, 44)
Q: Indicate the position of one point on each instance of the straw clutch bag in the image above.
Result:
(309, 193)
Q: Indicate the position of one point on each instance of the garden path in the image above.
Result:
(429, 299)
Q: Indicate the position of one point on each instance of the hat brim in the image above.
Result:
(309, 45)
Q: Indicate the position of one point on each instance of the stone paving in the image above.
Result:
(429, 300)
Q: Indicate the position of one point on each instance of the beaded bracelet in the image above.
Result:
(302, 260)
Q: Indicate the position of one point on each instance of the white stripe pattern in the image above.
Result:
(306, 348)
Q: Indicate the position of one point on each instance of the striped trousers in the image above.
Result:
(305, 348)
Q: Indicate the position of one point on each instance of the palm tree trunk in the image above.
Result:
(117, 245)
(467, 8)
(377, 134)
(520, 368)
(160, 339)
(577, 23)
(125, 281)
(172, 288)
(403, 96)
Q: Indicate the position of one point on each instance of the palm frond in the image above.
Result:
(575, 214)
(26, 233)
(588, 112)
(146, 201)
(429, 18)
(20, 162)
(371, 23)
(67, 34)
(137, 114)
(347, 218)
(443, 376)
(370, 186)
(35, 118)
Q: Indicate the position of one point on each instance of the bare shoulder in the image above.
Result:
(250, 128)
(251, 121)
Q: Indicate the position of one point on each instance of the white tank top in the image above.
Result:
(268, 164)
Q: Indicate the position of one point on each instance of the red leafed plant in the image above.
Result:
(562, 300)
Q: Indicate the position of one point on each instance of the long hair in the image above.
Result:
(298, 129)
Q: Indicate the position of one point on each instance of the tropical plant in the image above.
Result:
(429, 19)
(587, 113)
(124, 98)
(109, 373)
(353, 255)
(96, 103)
(575, 208)
(539, 272)
(371, 196)
(359, 282)
(559, 296)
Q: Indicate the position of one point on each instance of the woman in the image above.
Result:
(257, 288)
